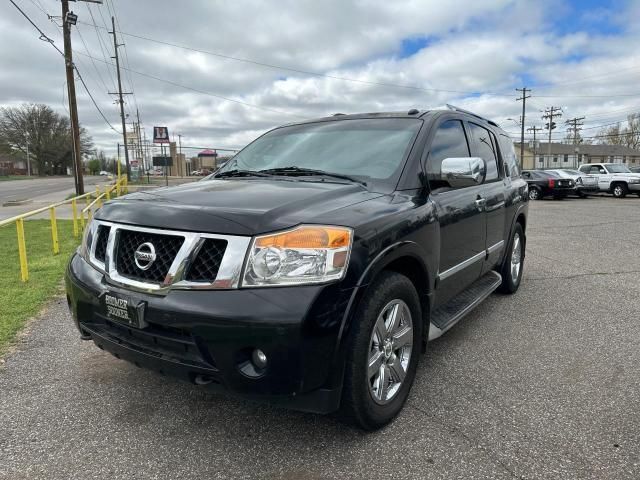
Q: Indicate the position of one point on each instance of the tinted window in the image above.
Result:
(483, 148)
(509, 156)
(448, 142)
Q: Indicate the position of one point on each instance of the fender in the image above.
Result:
(384, 258)
(522, 208)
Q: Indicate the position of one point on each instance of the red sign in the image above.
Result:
(160, 135)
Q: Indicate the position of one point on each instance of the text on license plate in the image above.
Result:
(117, 307)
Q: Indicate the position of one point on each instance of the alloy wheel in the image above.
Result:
(534, 194)
(390, 349)
(516, 258)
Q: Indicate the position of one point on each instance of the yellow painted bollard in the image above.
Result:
(82, 220)
(107, 193)
(74, 210)
(22, 251)
(118, 188)
(54, 231)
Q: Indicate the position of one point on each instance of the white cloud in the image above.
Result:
(481, 46)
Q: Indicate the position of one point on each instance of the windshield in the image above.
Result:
(616, 168)
(367, 149)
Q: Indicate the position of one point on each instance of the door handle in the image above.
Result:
(480, 203)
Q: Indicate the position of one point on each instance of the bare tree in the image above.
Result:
(629, 135)
(47, 133)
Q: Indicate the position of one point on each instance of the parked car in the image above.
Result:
(613, 178)
(311, 277)
(544, 183)
(584, 183)
(634, 169)
(104, 173)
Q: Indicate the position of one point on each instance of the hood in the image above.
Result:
(235, 206)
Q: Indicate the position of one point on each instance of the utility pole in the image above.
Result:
(180, 154)
(139, 137)
(119, 93)
(524, 97)
(575, 124)
(534, 129)
(549, 114)
(67, 21)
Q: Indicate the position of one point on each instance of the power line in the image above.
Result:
(45, 38)
(175, 84)
(307, 72)
(354, 80)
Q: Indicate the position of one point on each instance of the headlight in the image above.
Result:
(307, 254)
(87, 240)
(634, 180)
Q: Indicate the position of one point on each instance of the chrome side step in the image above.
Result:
(446, 316)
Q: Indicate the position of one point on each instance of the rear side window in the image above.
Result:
(449, 141)
(509, 156)
(483, 147)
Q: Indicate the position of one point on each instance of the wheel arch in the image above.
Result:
(406, 258)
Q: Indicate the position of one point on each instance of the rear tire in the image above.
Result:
(380, 371)
(513, 264)
(619, 190)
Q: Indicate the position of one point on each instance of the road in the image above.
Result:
(41, 192)
(39, 187)
(543, 384)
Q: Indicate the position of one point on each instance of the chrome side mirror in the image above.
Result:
(463, 172)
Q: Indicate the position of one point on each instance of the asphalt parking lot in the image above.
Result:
(542, 384)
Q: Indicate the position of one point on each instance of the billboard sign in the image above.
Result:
(160, 135)
(162, 162)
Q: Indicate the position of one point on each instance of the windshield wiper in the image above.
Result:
(239, 173)
(297, 171)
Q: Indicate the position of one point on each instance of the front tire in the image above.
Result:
(384, 347)
(535, 194)
(512, 267)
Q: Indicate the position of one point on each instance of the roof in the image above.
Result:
(208, 153)
(569, 149)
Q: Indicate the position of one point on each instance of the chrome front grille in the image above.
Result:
(102, 237)
(182, 260)
(166, 250)
(206, 264)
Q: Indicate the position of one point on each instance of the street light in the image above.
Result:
(26, 136)
(517, 122)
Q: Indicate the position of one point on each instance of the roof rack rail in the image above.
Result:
(462, 110)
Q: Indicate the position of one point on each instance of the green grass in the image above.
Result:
(21, 301)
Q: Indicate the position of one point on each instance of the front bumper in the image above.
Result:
(634, 187)
(207, 337)
(587, 188)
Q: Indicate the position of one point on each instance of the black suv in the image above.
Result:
(313, 268)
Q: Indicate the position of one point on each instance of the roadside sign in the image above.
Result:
(135, 169)
(162, 162)
(160, 135)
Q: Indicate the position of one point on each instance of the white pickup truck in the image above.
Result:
(613, 178)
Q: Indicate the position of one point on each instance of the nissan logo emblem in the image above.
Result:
(145, 255)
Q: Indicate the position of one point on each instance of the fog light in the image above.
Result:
(259, 359)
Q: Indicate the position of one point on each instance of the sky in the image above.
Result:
(240, 68)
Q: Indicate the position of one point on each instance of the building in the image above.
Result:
(14, 165)
(566, 155)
